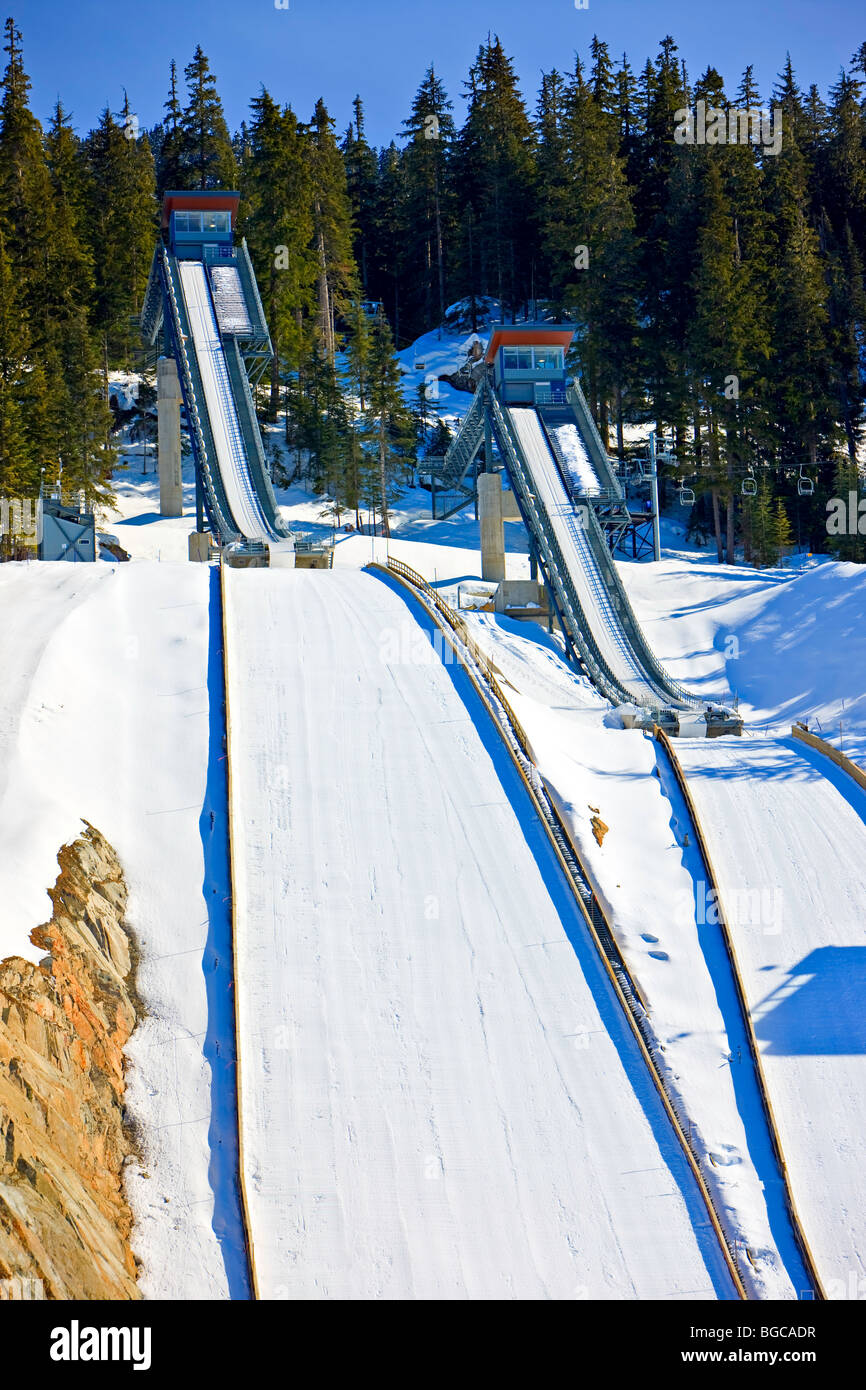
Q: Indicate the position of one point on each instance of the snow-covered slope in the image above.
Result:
(788, 839)
(110, 710)
(790, 643)
(648, 878)
(440, 1096)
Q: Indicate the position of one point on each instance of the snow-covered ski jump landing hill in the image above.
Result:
(440, 1096)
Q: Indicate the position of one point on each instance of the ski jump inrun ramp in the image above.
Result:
(559, 473)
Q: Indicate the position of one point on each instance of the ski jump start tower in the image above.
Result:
(525, 365)
(530, 424)
(202, 305)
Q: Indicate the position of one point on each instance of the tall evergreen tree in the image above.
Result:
(494, 172)
(362, 172)
(278, 223)
(20, 393)
(430, 133)
(389, 422)
(799, 295)
(71, 279)
(171, 166)
(44, 214)
(123, 225)
(208, 157)
(337, 277)
(393, 267)
(26, 210)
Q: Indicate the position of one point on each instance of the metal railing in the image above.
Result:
(571, 612)
(461, 452)
(152, 307)
(255, 308)
(252, 438)
(667, 690)
(569, 608)
(670, 688)
(213, 254)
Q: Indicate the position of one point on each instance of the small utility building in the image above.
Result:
(528, 361)
(198, 224)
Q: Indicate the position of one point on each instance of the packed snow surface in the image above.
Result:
(788, 841)
(229, 302)
(576, 458)
(789, 642)
(440, 1096)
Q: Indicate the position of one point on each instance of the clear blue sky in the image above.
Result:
(89, 50)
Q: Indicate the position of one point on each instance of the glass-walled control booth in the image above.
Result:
(532, 359)
(199, 224)
(202, 222)
(528, 362)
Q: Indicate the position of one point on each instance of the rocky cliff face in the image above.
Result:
(64, 1221)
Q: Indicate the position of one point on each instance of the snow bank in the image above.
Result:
(105, 714)
(791, 644)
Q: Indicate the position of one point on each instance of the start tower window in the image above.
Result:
(217, 221)
(211, 221)
(549, 358)
(516, 359)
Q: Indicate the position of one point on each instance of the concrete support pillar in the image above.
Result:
(168, 407)
(199, 546)
(488, 442)
(492, 529)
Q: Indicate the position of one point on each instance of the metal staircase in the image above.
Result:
(450, 489)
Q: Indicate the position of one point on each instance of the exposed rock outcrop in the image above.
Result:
(599, 829)
(64, 1220)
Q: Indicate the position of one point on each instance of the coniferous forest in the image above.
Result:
(718, 290)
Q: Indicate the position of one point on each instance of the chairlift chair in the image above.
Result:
(749, 486)
(687, 496)
(805, 484)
